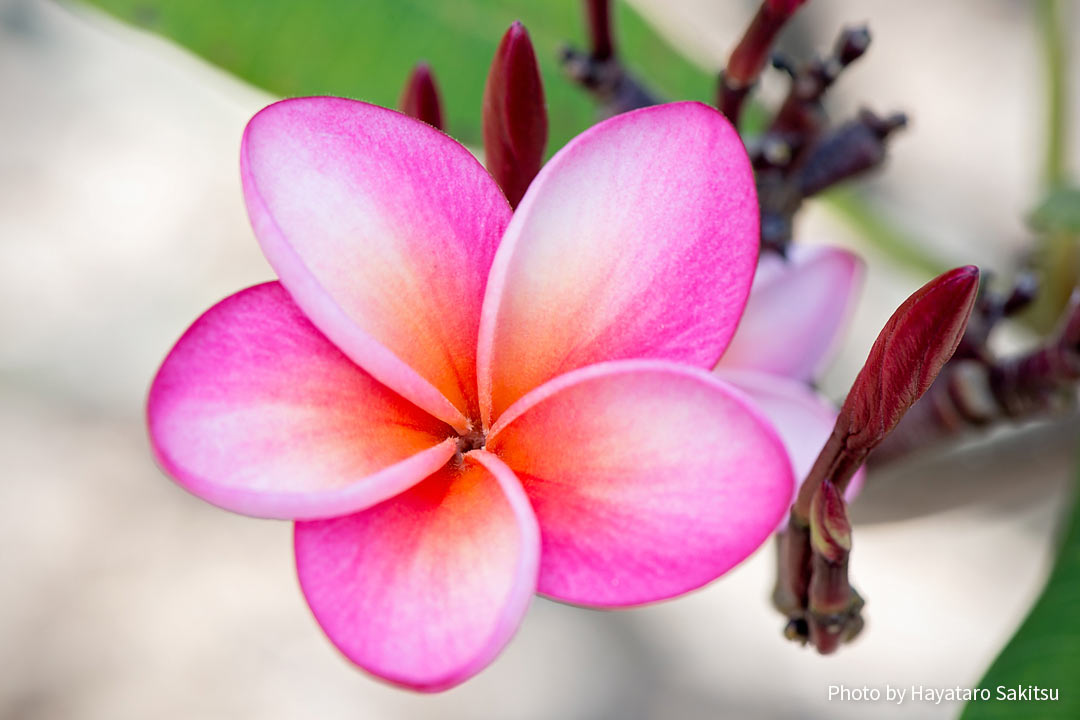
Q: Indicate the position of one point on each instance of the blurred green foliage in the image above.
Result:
(1057, 254)
(880, 231)
(365, 49)
(1046, 649)
(1058, 212)
(1057, 221)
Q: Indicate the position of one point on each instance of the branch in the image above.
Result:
(599, 71)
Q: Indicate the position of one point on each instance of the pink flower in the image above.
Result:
(462, 407)
(797, 310)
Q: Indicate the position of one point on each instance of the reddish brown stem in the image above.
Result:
(834, 612)
(749, 57)
(798, 155)
(600, 72)
(598, 20)
(847, 151)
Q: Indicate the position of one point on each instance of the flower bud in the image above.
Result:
(830, 530)
(420, 97)
(515, 117)
(908, 354)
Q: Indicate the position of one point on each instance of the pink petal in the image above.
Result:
(254, 410)
(649, 479)
(425, 589)
(796, 312)
(383, 229)
(637, 240)
(803, 418)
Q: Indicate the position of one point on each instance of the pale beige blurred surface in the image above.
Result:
(122, 597)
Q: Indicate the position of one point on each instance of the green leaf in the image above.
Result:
(365, 49)
(1059, 212)
(1046, 649)
(1057, 257)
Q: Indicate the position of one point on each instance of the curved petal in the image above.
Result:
(383, 229)
(648, 478)
(803, 418)
(637, 240)
(425, 589)
(255, 411)
(796, 312)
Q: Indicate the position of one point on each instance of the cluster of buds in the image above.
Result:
(515, 124)
(812, 589)
(799, 154)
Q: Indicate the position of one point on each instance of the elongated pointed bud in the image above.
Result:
(812, 587)
(908, 354)
(515, 117)
(420, 97)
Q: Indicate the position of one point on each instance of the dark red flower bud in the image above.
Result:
(420, 97)
(920, 337)
(515, 117)
(908, 354)
(830, 530)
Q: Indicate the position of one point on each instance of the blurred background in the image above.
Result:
(121, 219)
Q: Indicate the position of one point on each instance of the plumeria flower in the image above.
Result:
(461, 406)
(799, 307)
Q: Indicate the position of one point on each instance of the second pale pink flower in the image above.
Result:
(797, 311)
